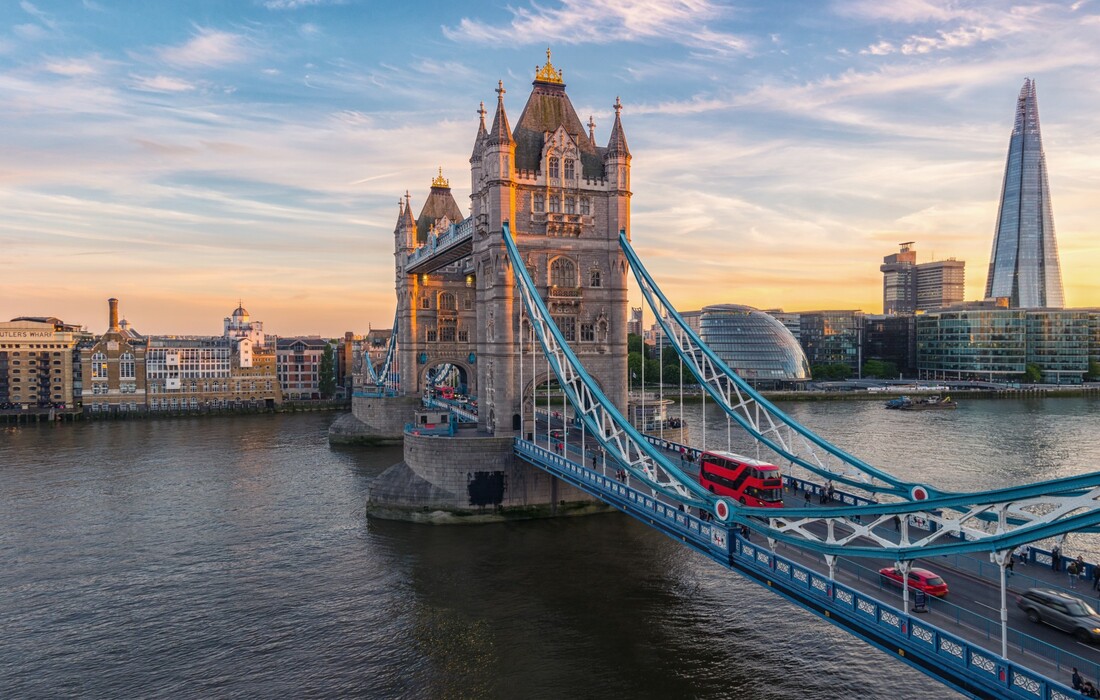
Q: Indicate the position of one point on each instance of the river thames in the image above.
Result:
(230, 557)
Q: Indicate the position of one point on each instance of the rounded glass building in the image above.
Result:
(755, 345)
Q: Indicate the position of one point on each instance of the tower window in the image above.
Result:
(588, 333)
(563, 273)
(570, 205)
(595, 278)
(447, 301)
(554, 167)
(538, 203)
(586, 207)
(569, 169)
(555, 204)
(568, 326)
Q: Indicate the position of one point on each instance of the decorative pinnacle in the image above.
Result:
(439, 180)
(618, 106)
(591, 128)
(548, 74)
(406, 198)
(482, 112)
(500, 90)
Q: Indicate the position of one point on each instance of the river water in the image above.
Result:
(230, 557)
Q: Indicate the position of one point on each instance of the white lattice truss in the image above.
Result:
(610, 428)
(756, 415)
(990, 521)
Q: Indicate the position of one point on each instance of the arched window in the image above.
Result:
(594, 280)
(126, 368)
(570, 205)
(539, 203)
(555, 204)
(447, 301)
(554, 167)
(99, 366)
(586, 206)
(563, 273)
(569, 169)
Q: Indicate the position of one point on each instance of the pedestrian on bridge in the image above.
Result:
(1076, 679)
(1096, 577)
(1055, 558)
(1071, 572)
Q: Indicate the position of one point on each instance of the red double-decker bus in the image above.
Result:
(751, 482)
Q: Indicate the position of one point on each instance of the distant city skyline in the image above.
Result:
(183, 157)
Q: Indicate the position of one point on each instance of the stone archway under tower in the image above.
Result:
(462, 375)
(544, 407)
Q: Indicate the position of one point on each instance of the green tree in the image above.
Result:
(634, 343)
(836, 370)
(326, 378)
(1032, 373)
(880, 369)
(1094, 370)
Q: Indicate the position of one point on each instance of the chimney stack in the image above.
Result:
(113, 303)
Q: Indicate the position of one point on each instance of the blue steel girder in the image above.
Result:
(443, 249)
(381, 376)
(755, 414)
(603, 421)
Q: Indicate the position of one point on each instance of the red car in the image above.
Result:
(919, 579)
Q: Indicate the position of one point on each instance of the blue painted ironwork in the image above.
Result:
(758, 416)
(602, 420)
(957, 662)
(442, 249)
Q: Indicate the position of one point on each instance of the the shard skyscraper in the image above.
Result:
(1024, 263)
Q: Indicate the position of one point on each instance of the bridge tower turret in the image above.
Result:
(407, 286)
(565, 200)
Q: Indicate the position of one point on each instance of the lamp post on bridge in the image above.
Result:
(1000, 557)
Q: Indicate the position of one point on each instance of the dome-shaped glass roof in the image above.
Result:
(754, 344)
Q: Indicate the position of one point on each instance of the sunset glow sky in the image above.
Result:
(183, 155)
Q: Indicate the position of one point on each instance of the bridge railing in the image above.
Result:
(455, 233)
(912, 636)
(442, 429)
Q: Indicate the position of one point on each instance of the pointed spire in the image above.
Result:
(616, 145)
(591, 129)
(408, 219)
(481, 112)
(500, 132)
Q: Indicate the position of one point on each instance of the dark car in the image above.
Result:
(1063, 611)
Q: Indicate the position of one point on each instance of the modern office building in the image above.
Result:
(634, 322)
(199, 373)
(899, 288)
(113, 368)
(755, 345)
(36, 362)
(891, 338)
(1023, 266)
(940, 283)
(791, 320)
(1058, 342)
(908, 287)
(989, 341)
(832, 337)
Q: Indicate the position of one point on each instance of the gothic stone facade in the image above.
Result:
(565, 199)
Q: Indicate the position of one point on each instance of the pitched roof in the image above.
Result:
(499, 132)
(616, 145)
(440, 203)
(547, 108)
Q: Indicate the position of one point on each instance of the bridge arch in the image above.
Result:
(467, 373)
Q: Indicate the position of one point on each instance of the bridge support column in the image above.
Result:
(470, 479)
(830, 559)
(374, 420)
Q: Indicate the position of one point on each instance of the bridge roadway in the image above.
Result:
(972, 608)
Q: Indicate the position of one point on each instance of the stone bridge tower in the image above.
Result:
(565, 199)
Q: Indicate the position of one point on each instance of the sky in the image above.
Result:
(184, 156)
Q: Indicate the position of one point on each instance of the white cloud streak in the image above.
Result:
(607, 21)
(208, 48)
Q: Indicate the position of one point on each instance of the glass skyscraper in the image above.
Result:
(1023, 266)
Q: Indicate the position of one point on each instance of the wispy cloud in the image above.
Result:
(38, 14)
(71, 67)
(160, 83)
(606, 21)
(209, 47)
(297, 4)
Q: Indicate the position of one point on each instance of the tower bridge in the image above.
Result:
(530, 291)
